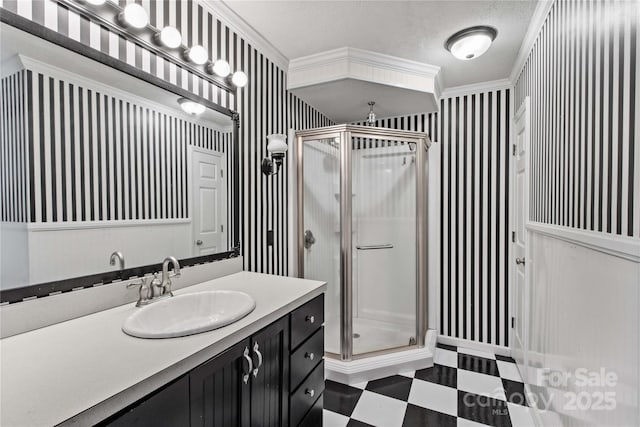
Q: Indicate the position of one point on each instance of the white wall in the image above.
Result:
(14, 249)
(584, 314)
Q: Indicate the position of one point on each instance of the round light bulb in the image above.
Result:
(221, 68)
(170, 37)
(471, 47)
(135, 16)
(239, 79)
(191, 107)
(96, 2)
(197, 54)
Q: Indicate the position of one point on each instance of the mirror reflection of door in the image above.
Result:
(209, 188)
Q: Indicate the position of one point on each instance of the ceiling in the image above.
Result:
(415, 30)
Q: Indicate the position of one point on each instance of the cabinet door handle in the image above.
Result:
(310, 319)
(245, 377)
(309, 356)
(259, 355)
(310, 392)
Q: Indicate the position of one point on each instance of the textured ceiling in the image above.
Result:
(415, 30)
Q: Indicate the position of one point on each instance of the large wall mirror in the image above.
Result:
(96, 161)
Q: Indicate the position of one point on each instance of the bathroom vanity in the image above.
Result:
(263, 370)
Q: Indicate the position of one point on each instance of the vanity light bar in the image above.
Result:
(134, 16)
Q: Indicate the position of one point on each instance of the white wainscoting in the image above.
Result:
(584, 313)
(14, 252)
(60, 253)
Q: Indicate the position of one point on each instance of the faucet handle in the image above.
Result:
(145, 292)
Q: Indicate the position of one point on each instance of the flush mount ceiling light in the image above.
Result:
(169, 37)
(197, 54)
(96, 2)
(134, 16)
(220, 68)
(191, 107)
(239, 79)
(471, 42)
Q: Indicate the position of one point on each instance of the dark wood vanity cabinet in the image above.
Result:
(247, 384)
(273, 378)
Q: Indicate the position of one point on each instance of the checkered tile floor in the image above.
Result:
(464, 388)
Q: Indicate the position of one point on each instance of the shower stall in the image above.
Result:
(362, 228)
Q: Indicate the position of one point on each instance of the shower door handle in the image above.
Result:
(372, 247)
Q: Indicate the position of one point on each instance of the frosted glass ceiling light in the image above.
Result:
(220, 68)
(239, 79)
(169, 37)
(191, 107)
(197, 54)
(134, 16)
(471, 42)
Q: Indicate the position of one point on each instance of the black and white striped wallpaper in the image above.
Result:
(474, 133)
(581, 75)
(264, 105)
(97, 157)
(13, 150)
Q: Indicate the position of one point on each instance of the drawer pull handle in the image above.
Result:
(245, 377)
(257, 352)
(310, 319)
(310, 392)
(309, 356)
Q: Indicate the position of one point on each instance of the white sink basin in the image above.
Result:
(189, 314)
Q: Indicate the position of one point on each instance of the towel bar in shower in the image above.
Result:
(372, 247)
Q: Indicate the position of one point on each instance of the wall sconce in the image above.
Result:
(277, 147)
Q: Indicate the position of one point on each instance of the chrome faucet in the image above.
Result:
(165, 285)
(117, 256)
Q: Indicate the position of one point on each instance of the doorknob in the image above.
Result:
(199, 242)
(520, 261)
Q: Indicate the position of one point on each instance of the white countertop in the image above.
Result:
(83, 370)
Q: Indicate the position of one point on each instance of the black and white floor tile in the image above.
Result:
(464, 388)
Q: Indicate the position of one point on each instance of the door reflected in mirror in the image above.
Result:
(95, 161)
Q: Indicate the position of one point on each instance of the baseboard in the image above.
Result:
(475, 345)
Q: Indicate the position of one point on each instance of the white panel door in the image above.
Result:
(209, 203)
(519, 253)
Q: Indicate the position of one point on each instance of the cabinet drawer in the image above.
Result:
(306, 319)
(307, 394)
(306, 357)
(314, 416)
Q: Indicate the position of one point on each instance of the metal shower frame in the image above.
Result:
(343, 134)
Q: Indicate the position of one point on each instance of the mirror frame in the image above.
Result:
(15, 295)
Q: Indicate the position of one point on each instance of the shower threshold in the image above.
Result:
(381, 365)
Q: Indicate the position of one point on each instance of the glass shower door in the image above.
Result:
(321, 227)
(383, 244)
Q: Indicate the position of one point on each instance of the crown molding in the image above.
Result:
(11, 66)
(366, 57)
(535, 25)
(351, 63)
(237, 24)
(476, 88)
